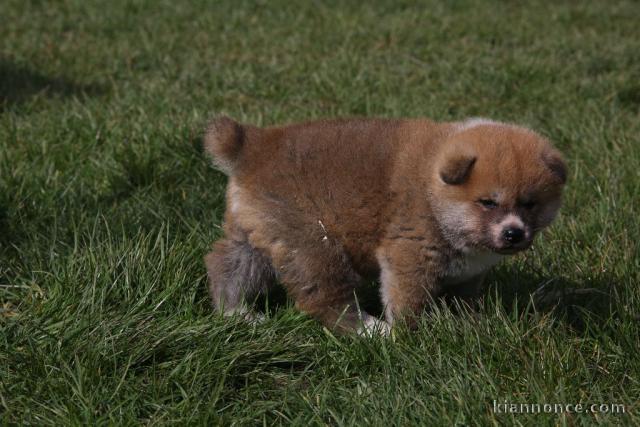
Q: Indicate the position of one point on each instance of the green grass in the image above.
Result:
(107, 206)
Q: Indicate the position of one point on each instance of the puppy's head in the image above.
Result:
(496, 186)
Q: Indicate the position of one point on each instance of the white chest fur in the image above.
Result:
(471, 264)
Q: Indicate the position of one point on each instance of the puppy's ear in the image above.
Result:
(554, 161)
(456, 168)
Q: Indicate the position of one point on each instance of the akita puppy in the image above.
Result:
(425, 207)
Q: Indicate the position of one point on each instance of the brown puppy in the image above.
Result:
(425, 207)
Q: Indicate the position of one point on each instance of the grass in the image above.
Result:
(107, 206)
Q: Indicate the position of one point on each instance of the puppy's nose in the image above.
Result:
(513, 235)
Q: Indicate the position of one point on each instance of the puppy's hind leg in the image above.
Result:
(237, 274)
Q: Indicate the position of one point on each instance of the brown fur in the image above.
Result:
(321, 205)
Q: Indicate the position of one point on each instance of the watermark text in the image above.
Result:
(505, 407)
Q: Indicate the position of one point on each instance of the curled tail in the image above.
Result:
(223, 140)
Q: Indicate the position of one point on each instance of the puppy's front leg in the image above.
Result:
(409, 282)
(319, 276)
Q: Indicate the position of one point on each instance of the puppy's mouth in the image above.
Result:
(513, 249)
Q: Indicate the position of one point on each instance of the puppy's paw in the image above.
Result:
(372, 326)
(246, 314)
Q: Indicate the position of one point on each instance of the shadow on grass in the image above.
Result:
(579, 304)
(19, 84)
(583, 305)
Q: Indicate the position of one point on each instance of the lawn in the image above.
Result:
(108, 205)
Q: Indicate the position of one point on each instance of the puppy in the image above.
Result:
(426, 207)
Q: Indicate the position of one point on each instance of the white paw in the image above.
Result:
(246, 314)
(372, 326)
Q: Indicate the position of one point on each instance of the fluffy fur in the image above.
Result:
(425, 207)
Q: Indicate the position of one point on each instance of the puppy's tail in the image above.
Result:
(223, 140)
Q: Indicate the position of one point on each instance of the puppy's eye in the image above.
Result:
(488, 203)
(528, 205)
